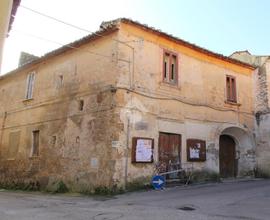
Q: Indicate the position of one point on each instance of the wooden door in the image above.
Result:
(227, 164)
(169, 151)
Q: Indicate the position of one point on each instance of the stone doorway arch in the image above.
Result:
(244, 149)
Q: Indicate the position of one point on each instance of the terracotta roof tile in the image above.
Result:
(65, 48)
(111, 26)
(185, 43)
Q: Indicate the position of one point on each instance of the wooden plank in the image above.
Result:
(227, 156)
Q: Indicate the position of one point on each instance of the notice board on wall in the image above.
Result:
(196, 150)
(142, 150)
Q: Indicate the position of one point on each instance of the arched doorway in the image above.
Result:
(244, 151)
(227, 154)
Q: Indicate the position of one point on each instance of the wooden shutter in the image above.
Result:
(233, 86)
(30, 85)
(228, 88)
(170, 67)
(174, 69)
(231, 89)
(166, 66)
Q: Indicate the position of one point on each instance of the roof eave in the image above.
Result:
(187, 44)
(65, 48)
(15, 6)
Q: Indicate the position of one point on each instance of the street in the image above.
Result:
(244, 200)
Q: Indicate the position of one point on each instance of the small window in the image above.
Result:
(231, 89)
(30, 85)
(170, 68)
(53, 140)
(59, 81)
(81, 105)
(35, 144)
(14, 143)
(60, 78)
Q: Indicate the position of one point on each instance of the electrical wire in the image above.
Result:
(60, 21)
(94, 33)
(71, 25)
(132, 90)
(180, 100)
(68, 45)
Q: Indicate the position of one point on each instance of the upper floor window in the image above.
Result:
(30, 85)
(170, 67)
(231, 89)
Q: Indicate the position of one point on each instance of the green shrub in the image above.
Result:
(134, 186)
(204, 176)
(20, 185)
(61, 187)
(259, 173)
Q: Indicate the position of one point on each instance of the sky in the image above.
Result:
(222, 26)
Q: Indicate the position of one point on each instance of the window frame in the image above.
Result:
(30, 85)
(35, 150)
(169, 78)
(231, 90)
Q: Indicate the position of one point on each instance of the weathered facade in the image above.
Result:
(262, 107)
(76, 113)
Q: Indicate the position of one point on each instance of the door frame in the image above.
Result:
(235, 162)
(179, 147)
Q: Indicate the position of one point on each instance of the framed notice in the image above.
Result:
(196, 150)
(142, 150)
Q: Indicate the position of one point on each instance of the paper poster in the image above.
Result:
(195, 151)
(144, 150)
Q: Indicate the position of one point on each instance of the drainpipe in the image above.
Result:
(2, 131)
(126, 154)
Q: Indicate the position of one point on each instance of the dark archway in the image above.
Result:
(227, 155)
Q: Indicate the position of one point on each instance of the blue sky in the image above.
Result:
(219, 25)
(222, 26)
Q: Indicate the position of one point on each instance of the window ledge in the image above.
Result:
(27, 100)
(34, 157)
(10, 159)
(232, 103)
(171, 85)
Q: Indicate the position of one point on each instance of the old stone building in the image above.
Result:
(262, 107)
(111, 107)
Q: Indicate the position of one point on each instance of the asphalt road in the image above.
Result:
(231, 200)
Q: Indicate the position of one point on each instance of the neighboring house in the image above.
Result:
(110, 108)
(8, 9)
(26, 58)
(262, 107)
